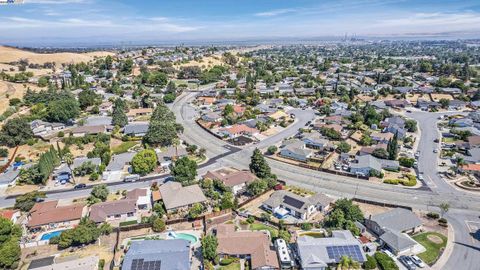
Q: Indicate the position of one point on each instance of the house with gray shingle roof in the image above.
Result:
(158, 254)
(392, 228)
(283, 203)
(296, 150)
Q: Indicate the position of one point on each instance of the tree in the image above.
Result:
(85, 233)
(227, 201)
(444, 207)
(259, 166)
(3, 152)
(272, 150)
(162, 129)
(26, 201)
(191, 149)
(68, 158)
(366, 140)
(88, 98)
(411, 125)
(63, 110)
(15, 132)
(195, 211)
(184, 170)
(444, 103)
(158, 225)
(344, 147)
(209, 247)
(99, 193)
(392, 147)
(119, 118)
(406, 162)
(144, 162)
(10, 253)
(169, 98)
(257, 187)
(159, 209)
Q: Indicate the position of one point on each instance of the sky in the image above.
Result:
(97, 21)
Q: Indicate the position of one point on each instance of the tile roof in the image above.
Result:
(175, 196)
(256, 244)
(45, 213)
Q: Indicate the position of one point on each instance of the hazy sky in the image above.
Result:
(161, 20)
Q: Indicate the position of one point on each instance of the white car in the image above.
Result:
(416, 260)
(420, 177)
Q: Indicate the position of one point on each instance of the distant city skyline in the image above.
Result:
(105, 21)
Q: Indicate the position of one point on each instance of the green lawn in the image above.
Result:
(432, 249)
(122, 148)
(448, 139)
(258, 227)
(314, 234)
(232, 266)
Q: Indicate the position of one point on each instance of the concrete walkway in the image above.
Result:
(447, 252)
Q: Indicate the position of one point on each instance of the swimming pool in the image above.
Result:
(47, 236)
(185, 236)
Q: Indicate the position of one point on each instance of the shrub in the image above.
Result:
(272, 150)
(101, 264)
(406, 162)
(306, 226)
(442, 220)
(226, 261)
(433, 215)
(371, 263)
(412, 181)
(385, 262)
(250, 219)
(54, 240)
(158, 225)
(391, 181)
(127, 223)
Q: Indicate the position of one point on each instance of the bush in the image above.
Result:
(61, 134)
(391, 181)
(433, 215)
(442, 220)
(272, 150)
(306, 226)
(385, 262)
(3, 152)
(101, 264)
(406, 162)
(250, 219)
(226, 261)
(54, 240)
(158, 225)
(371, 263)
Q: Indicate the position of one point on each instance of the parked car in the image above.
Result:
(407, 262)
(436, 140)
(435, 150)
(420, 176)
(390, 254)
(80, 186)
(131, 178)
(416, 260)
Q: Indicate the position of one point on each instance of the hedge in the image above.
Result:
(433, 215)
(385, 262)
(128, 223)
(391, 181)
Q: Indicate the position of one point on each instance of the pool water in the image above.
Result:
(49, 235)
(185, 236)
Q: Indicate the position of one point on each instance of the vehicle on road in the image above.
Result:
(436, 140)
(417, 261)
(420, 177)
(407, 262)
(417, 154)
(435, 150)
(131, 178)
(409, 111)
(80, 186)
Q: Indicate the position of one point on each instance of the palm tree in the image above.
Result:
(202, 151)
(176, 143)
(68, 158)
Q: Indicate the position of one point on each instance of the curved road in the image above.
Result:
(464, 207)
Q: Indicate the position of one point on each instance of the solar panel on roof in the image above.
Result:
(352, 251)
(293, 202)
(140, 264)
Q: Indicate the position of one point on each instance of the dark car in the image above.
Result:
(436, 140)
(80, 186)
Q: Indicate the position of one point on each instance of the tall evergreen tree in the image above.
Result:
(259, 165)
(392, 147)
(119, 118)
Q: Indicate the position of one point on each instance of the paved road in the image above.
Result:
(465, 207)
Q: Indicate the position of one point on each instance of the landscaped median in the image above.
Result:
(434, 244)
(410, 181)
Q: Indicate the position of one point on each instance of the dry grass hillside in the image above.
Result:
(8, 55)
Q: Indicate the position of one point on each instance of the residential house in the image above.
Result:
(88, 130)
(326, 253)
(283, 203)
(9, 178)
(253, 246)
(116, 168)
(175, 196)
(212, 117)
(237, 130)
(397, 103)
(142, 198)
(166, 156)
(382, 137)
(473, 169)
(12, 215)
(114, 212)
(62, 263)
(392, 228)
(367, 163)
(315, 140)
(296, 150)
(235, 179)
(105, 108)
(473, 142)
(158, 254)
(133, 113)
(136, 129)
(41, 128)
(50, 215)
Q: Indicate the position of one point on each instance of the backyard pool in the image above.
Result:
(185, 236)
(47, 236)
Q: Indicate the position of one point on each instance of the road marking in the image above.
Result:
(473, 226)
(431, 182)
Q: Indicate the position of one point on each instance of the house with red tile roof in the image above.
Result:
(12, 215)
(235, 179)
(237, 130)
(49, 215)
